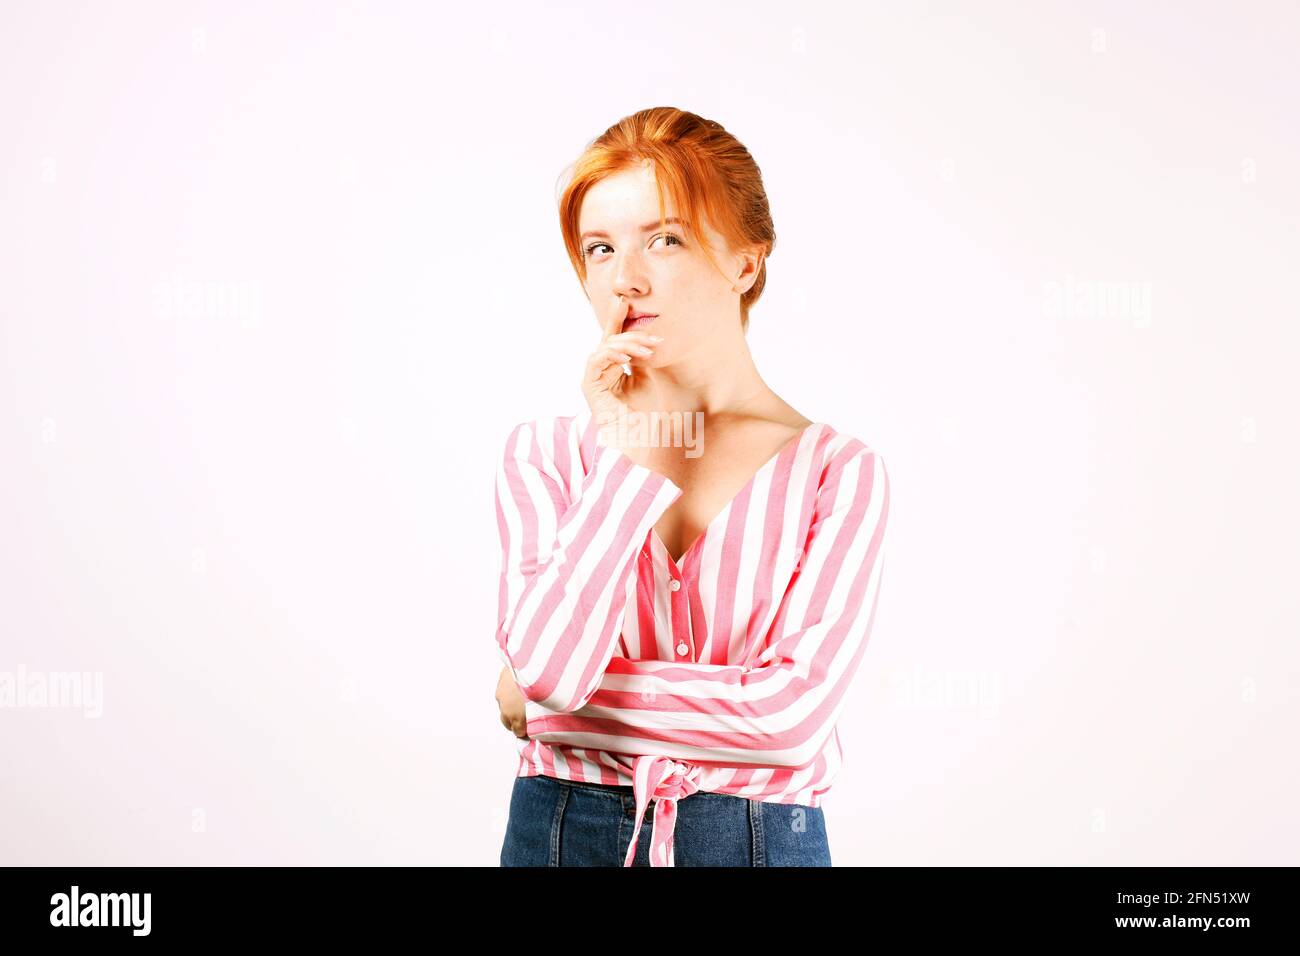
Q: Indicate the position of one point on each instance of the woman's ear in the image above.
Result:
(751, 262)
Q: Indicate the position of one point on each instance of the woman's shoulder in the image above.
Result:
(557, 438)
(848, 469)
(839, 447)
(831, 447)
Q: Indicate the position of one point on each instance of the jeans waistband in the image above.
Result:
(619, 789)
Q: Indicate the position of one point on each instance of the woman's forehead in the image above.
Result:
(626, 194)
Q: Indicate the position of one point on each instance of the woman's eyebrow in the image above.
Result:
(671, 220)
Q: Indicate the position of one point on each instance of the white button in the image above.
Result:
(675, 584)
(682, 648)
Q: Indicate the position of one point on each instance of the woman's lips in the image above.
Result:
(638, 323)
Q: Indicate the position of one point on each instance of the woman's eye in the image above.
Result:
(590, 250)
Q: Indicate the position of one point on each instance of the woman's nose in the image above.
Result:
(629, 278)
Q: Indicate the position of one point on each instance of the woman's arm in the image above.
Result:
(779, 711)
(567, 565)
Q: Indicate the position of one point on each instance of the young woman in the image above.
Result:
(680, 620)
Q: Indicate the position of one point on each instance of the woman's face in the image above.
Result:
(660, 271)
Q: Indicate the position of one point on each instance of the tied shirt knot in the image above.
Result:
(667, 781)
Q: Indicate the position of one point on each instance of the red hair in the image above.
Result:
(707, 172)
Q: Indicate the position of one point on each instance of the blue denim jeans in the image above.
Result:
(563, 823)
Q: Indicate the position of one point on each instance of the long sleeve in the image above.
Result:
(780, 710)
(568, 561)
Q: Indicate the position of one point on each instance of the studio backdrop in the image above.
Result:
(278, 280)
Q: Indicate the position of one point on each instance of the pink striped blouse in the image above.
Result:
(724, 671)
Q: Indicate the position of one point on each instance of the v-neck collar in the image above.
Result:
(679, 563)
(656, 541)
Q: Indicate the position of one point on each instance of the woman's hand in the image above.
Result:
(602, 383)
(511, 702)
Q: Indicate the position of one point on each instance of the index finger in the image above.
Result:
(613, 324)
